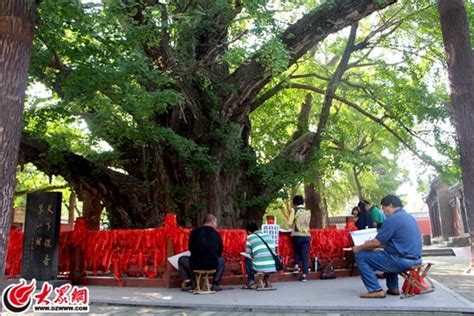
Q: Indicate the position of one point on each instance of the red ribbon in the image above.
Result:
(117, 250)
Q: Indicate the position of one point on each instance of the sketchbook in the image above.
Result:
(173, 260)
(361, 236)
(246, 255)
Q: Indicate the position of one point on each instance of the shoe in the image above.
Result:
(250, 286)
(186, 286)
(377, 294)
(296, 270)
(393, 292)
(216, 288)
(303, 278)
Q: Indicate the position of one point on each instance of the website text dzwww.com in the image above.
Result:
(65, 308)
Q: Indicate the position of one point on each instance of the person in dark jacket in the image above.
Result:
(205, 245)
(364, 219)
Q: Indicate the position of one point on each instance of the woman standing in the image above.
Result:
(300, 236)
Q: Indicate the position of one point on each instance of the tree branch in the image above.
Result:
(377, 120)
(377, 100)
(335, 79)
(111, 187)
(49, 188)
(62, 70)
(298, 38)
(303, 118)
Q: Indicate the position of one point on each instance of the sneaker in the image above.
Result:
(303, 278)
(216, 288)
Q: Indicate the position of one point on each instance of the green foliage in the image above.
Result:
(400, 90)
(107, 96)
(30, 179)
(274, 57)
(112, 101)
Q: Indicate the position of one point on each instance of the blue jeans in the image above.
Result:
(249, 270)
(301, 249)
(379, 260)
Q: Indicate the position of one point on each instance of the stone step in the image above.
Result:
(435, 252)
(462, 241)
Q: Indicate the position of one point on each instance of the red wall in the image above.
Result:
(425, 226)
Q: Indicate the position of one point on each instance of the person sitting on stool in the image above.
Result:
(262, 259)
(205, 245)
(401, 240)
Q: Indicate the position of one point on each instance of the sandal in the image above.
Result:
(270, 288)
(249, 286)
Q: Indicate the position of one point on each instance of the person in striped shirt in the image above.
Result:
(262, 259)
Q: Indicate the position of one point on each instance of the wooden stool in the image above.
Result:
(202, 281)
(417, 281)
(263, 282)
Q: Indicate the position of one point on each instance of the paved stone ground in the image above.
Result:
(450, 272)
(108, 310)
(447, 270)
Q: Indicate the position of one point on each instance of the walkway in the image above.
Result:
(454, 295)
(313, 296)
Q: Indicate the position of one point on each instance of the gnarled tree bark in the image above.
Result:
(16, 35)
(460, 60)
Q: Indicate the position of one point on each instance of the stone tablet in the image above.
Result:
(41, 236)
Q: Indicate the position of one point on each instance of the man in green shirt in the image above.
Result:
(377, 215)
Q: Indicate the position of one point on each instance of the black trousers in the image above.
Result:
(185, 270)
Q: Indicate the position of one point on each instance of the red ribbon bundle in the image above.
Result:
(14, 250)
(117, 250)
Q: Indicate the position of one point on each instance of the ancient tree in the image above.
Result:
(460, 61)
(160, 85)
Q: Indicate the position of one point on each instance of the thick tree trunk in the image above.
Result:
(71, 208)
(459, 56)
(91, 210)
(16, 33)
(313, 201)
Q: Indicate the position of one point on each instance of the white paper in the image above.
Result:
(273, 231)
(246, 255)
(361, 236)
(173, 260)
